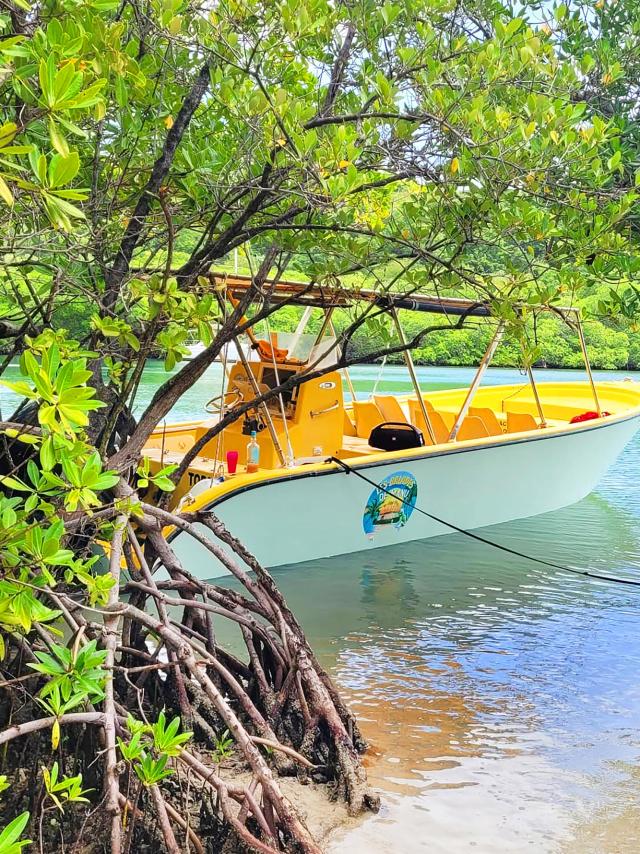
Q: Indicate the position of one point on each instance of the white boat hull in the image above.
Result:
(323, 513)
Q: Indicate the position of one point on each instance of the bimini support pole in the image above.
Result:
(534, 389)
(585, 356)
(473, 388)
(326, 324)
(412, 373)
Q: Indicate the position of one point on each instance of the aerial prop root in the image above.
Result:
(335, 731)
(281, 710)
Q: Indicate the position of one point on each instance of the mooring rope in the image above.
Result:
(586, 572)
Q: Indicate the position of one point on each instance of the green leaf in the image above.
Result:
(57, 140)
(164, 484)
(5, 192)
(63, 168)
(46, 77)
(106, 480)
(9, 837)
(47, 454)
(72, 128)
(69, 209)
(89, 97)
(512, 27)
(14, 483)
(26, 438)
(66, 80)
(14, 46)
(7, 133)
(20, 387)
(122, 96)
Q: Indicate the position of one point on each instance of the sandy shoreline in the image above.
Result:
(328, 821)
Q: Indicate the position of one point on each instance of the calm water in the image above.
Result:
(501, 699)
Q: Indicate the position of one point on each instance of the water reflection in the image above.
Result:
(500, 698)
(450, 578)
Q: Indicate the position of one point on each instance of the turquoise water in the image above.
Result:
(501, 699)
(365, 377)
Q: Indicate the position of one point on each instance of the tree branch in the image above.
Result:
(28, 727)
(337, 72)
(111, 621)
(160, 170)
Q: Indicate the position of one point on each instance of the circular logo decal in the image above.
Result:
(391, 503)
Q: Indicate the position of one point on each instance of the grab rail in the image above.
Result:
(315, 412)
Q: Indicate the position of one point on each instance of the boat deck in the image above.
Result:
(495, 411)
(498, 413)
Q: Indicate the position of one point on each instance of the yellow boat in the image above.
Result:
(337, 477)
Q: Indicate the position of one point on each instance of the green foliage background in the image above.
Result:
(614, 344)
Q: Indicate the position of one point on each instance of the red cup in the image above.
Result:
(232, 461)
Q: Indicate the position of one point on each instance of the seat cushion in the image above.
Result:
(367, 416)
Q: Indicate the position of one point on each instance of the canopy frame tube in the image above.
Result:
(412, 373)
(326, 324)
(587, 364)
(471, 392)
(534, 389)
(344, 371)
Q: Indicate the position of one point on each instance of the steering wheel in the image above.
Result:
(220, 402)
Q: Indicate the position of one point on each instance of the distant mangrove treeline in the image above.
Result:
(557, 345)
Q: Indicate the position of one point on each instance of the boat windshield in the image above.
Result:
(304, 347)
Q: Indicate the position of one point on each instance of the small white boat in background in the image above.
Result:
(339, 477)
